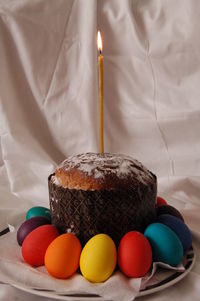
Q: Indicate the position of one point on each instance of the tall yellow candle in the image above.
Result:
(101, 89)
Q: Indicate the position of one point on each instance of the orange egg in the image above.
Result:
(62, 256)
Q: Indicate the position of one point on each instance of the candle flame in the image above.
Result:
(99, 42)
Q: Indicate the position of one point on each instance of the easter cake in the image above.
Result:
(93, 193)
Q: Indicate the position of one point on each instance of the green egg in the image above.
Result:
(38, 211)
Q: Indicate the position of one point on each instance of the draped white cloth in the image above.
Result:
(49, 100)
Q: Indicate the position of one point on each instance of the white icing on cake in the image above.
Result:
(99, 165)
(55, 180)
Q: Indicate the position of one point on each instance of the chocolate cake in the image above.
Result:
(95, 193)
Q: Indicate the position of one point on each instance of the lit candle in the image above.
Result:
(100, 61)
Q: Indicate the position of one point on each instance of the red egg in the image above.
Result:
(36, 243)
(134, 254)
(160, 201)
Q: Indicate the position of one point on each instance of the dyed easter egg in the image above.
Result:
(36, 243)
(165, 244)
(160, 201)
(180, 228)
(29, 225)
(98, 258)
(168, 209)
(63, 255)
(38, 211)
(134, 254)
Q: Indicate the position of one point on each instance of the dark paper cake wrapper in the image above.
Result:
(114, 212)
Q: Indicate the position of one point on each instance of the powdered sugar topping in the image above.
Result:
(98, 165)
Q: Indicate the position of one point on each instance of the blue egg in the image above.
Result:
(165, 244)
(178, 227)
(38, 211)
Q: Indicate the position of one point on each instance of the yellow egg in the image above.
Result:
(98, 258)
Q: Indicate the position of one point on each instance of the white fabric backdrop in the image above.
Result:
(49, 99)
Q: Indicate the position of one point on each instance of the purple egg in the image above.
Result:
(167, 209)
(28, 226)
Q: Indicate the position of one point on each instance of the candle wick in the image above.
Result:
(100, 51)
